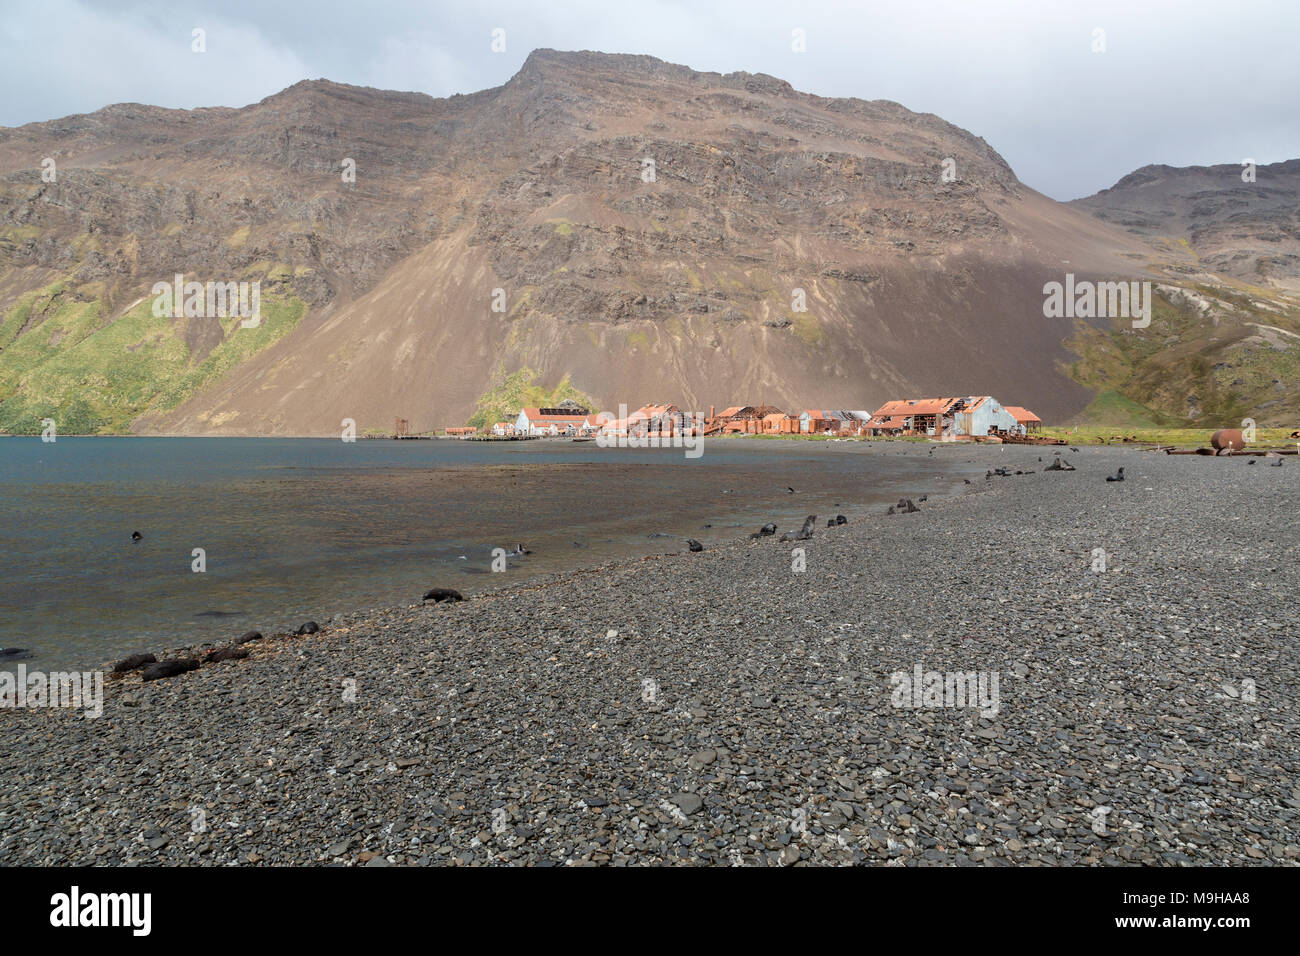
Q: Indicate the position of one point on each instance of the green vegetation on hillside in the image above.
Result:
(1186, 369)
(60, 359)
(503, 402)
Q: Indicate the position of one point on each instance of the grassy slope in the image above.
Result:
(1187, 370)
(90, 375)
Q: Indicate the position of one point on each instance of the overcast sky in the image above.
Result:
(1183, 82)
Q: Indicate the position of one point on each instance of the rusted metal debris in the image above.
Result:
(1233, 453)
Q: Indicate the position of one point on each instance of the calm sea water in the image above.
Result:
(298, 529)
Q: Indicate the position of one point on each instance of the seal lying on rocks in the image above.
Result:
(694, 545)
(438, 595)
(1118, 476)
(133, 663)
(1059, 464)
(311, 627)
(169, 668)
(226, 654)
(806, 532)
(840, 519)
(248, 637)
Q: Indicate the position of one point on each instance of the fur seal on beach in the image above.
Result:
(311, 627)
(694, 545)
(1118, 476)
(169, 668)
(438, 595)
(226, 654)
(133, 663)
(1059, 464)
(840, 519)
(248, 637)
(804, 533)
(136, 536)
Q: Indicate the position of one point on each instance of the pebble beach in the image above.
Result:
(740, 706)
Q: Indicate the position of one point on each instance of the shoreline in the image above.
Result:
(409, 515)
(502, 730)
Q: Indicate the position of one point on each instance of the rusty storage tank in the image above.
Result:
(1228, 438)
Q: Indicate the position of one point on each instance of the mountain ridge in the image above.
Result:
(679, 288)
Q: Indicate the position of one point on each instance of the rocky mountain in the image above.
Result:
(609, 226)
(1226, 343)
(1237, 221)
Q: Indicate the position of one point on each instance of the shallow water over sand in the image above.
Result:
(294, 529)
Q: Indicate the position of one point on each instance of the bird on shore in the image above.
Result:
(694, 545)
(789, 489)
(1118, 476)
(520, 549)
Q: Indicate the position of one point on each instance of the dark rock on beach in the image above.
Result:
(133, 663)
(226, 654)
(169, 668)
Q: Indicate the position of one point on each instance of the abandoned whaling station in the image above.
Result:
(968, 418)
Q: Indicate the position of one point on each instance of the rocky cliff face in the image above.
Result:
(649, 231)
(1246, 228)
